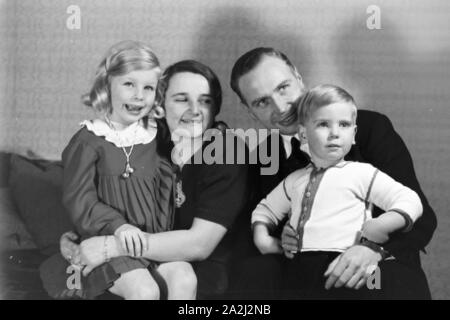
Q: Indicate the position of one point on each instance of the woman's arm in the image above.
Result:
(196, 243)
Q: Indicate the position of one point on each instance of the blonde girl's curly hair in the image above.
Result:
(122, 58)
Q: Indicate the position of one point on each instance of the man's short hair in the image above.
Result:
(249, 60)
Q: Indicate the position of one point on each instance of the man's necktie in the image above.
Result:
(296, 152)
(298, 159)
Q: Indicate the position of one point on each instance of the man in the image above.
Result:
(267, 84)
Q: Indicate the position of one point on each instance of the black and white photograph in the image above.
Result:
(234, 151)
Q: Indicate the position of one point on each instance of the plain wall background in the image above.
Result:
(402, 70)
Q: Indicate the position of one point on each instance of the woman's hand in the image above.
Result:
(96, 250)
(69, 248)
(133, 240)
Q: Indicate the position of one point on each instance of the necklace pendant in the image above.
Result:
(180, 197)
(129, 169)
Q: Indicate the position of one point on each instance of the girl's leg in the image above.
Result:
(181, 280)
(136, 284)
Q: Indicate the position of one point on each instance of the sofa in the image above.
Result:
(32, 220)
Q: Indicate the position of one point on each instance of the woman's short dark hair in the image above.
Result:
(196, 67)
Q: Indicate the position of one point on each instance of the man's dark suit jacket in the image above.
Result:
(377, 143)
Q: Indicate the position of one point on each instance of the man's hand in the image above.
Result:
(70, 250)
(350, 269)
(133, 240)
(289, 240)
(265, 243)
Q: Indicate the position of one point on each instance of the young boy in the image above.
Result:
(328, 202)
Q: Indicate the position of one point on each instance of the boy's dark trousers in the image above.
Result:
(303, 278)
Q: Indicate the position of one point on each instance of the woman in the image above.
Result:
(209, 198)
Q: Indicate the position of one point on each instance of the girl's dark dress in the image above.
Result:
(100, 200)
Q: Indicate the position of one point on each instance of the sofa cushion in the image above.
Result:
(36, 187)
(19, 275)
(13, 233)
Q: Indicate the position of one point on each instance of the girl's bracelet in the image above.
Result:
(105, 249)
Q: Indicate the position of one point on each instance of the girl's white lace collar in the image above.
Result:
(131, 135)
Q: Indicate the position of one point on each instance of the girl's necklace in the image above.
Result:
(128, 168)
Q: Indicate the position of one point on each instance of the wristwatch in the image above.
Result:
(375, 247)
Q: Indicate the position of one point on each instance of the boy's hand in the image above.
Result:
(265, 243)
(289, 240)
(133, 240)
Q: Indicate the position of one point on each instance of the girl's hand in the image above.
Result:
(133, 240)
